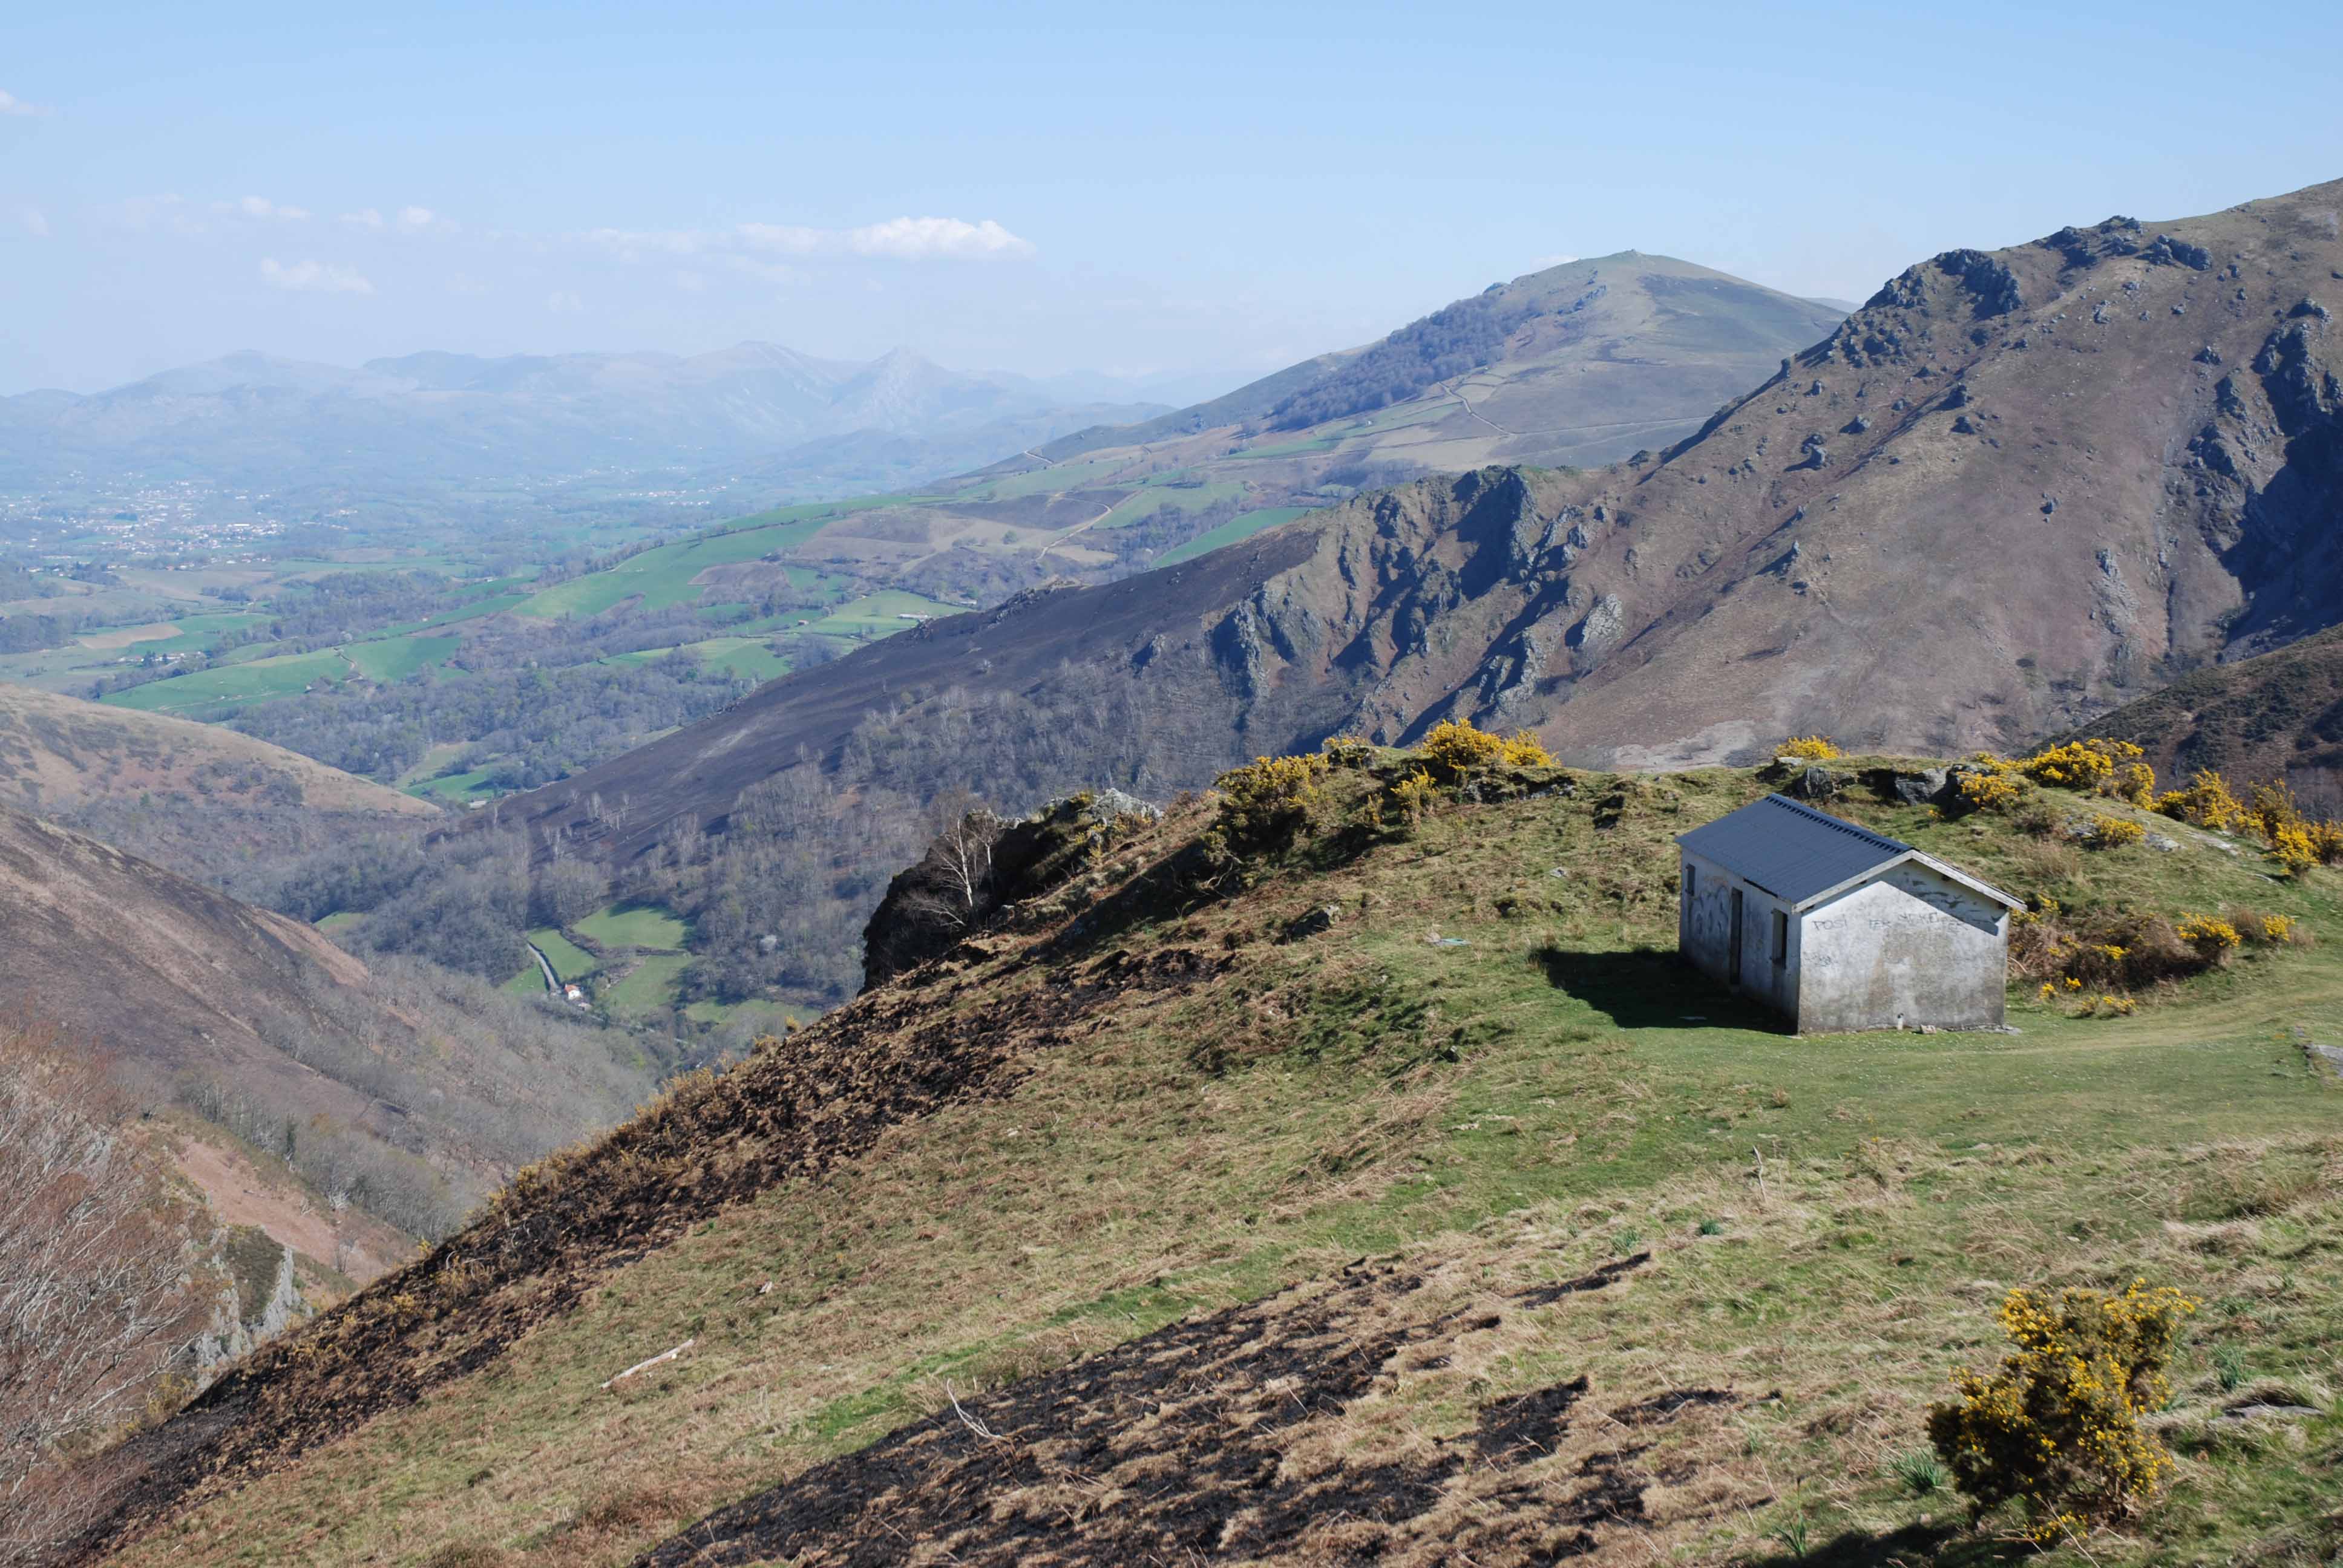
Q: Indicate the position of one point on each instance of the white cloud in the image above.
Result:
(406, 220)
(900, 238)
(10, 104)
(262, 209)
(561, 302)
(313, 277)
(1541, 263)
(630, 244)
(689, 281)
(36, 222)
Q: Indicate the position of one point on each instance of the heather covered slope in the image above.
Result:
(408, 1091)
(1640, 1277)
(2280, 716)
(58, 753)
(198, 799)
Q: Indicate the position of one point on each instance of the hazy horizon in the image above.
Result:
(1035, 191)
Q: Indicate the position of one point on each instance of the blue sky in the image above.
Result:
(1202, 187)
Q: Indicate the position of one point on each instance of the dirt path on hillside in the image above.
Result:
(1078, 528)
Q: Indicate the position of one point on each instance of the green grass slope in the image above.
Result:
(1157, 1225)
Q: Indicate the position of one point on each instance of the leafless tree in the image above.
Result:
(960, 856)
(102, 1287)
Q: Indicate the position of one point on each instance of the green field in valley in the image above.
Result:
(285, 675)
(633, 926)
(569, 960)
(1229, 532)
(1151, 498)
(880, 614)
(662, 576)
(648, 987)
(395, 658)
(1044, 481)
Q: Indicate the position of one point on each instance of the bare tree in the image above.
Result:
(961, 859)
(102, 1290)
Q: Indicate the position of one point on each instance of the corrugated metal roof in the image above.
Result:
(1793, 851)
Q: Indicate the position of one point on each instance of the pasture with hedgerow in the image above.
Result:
(1341, 1168)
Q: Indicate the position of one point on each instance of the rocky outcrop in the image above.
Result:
(977, 868)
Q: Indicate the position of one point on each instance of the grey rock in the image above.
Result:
(1111, 805)
(1816, 783)
(1312, 923)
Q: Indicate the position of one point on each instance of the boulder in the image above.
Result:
(1814, 782)
(1910, 786)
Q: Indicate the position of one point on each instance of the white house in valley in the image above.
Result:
(1840, 927)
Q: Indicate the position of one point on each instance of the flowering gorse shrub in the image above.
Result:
(2205, 803)
(1990, 783)
(2134, 782)
(1263, 806)
(1808, 748)
(2078, 764)
(1347, 751)
(1453, 750)
(1415, 795)
(2113, 832)
(2208, 934)
(2056, 1427)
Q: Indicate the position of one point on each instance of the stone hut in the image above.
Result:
(1840, 927)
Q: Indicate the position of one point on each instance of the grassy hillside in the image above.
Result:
(1397, 1197)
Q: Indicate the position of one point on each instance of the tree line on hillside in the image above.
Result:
(1450, 341)
(537, 724)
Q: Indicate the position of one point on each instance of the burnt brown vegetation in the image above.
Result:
(794, 1109)
(1214, 1439)
(408, 1090)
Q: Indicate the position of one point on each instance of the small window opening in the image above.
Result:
(1780, 939)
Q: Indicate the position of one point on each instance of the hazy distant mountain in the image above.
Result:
(411, 426)
(1581, 363)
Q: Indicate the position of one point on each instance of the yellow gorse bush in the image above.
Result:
(1809, 749)
(2208, 933)
(2078, 764)
(1416, 794)
(1992, 783)
(2056, 1427)
(2113, 832)
(2205, 803)
(1263, 805)
(1454, 748)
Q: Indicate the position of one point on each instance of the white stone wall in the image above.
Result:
(1912, 947)
(1704, 935)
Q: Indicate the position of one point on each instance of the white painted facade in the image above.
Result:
(1908, 942)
